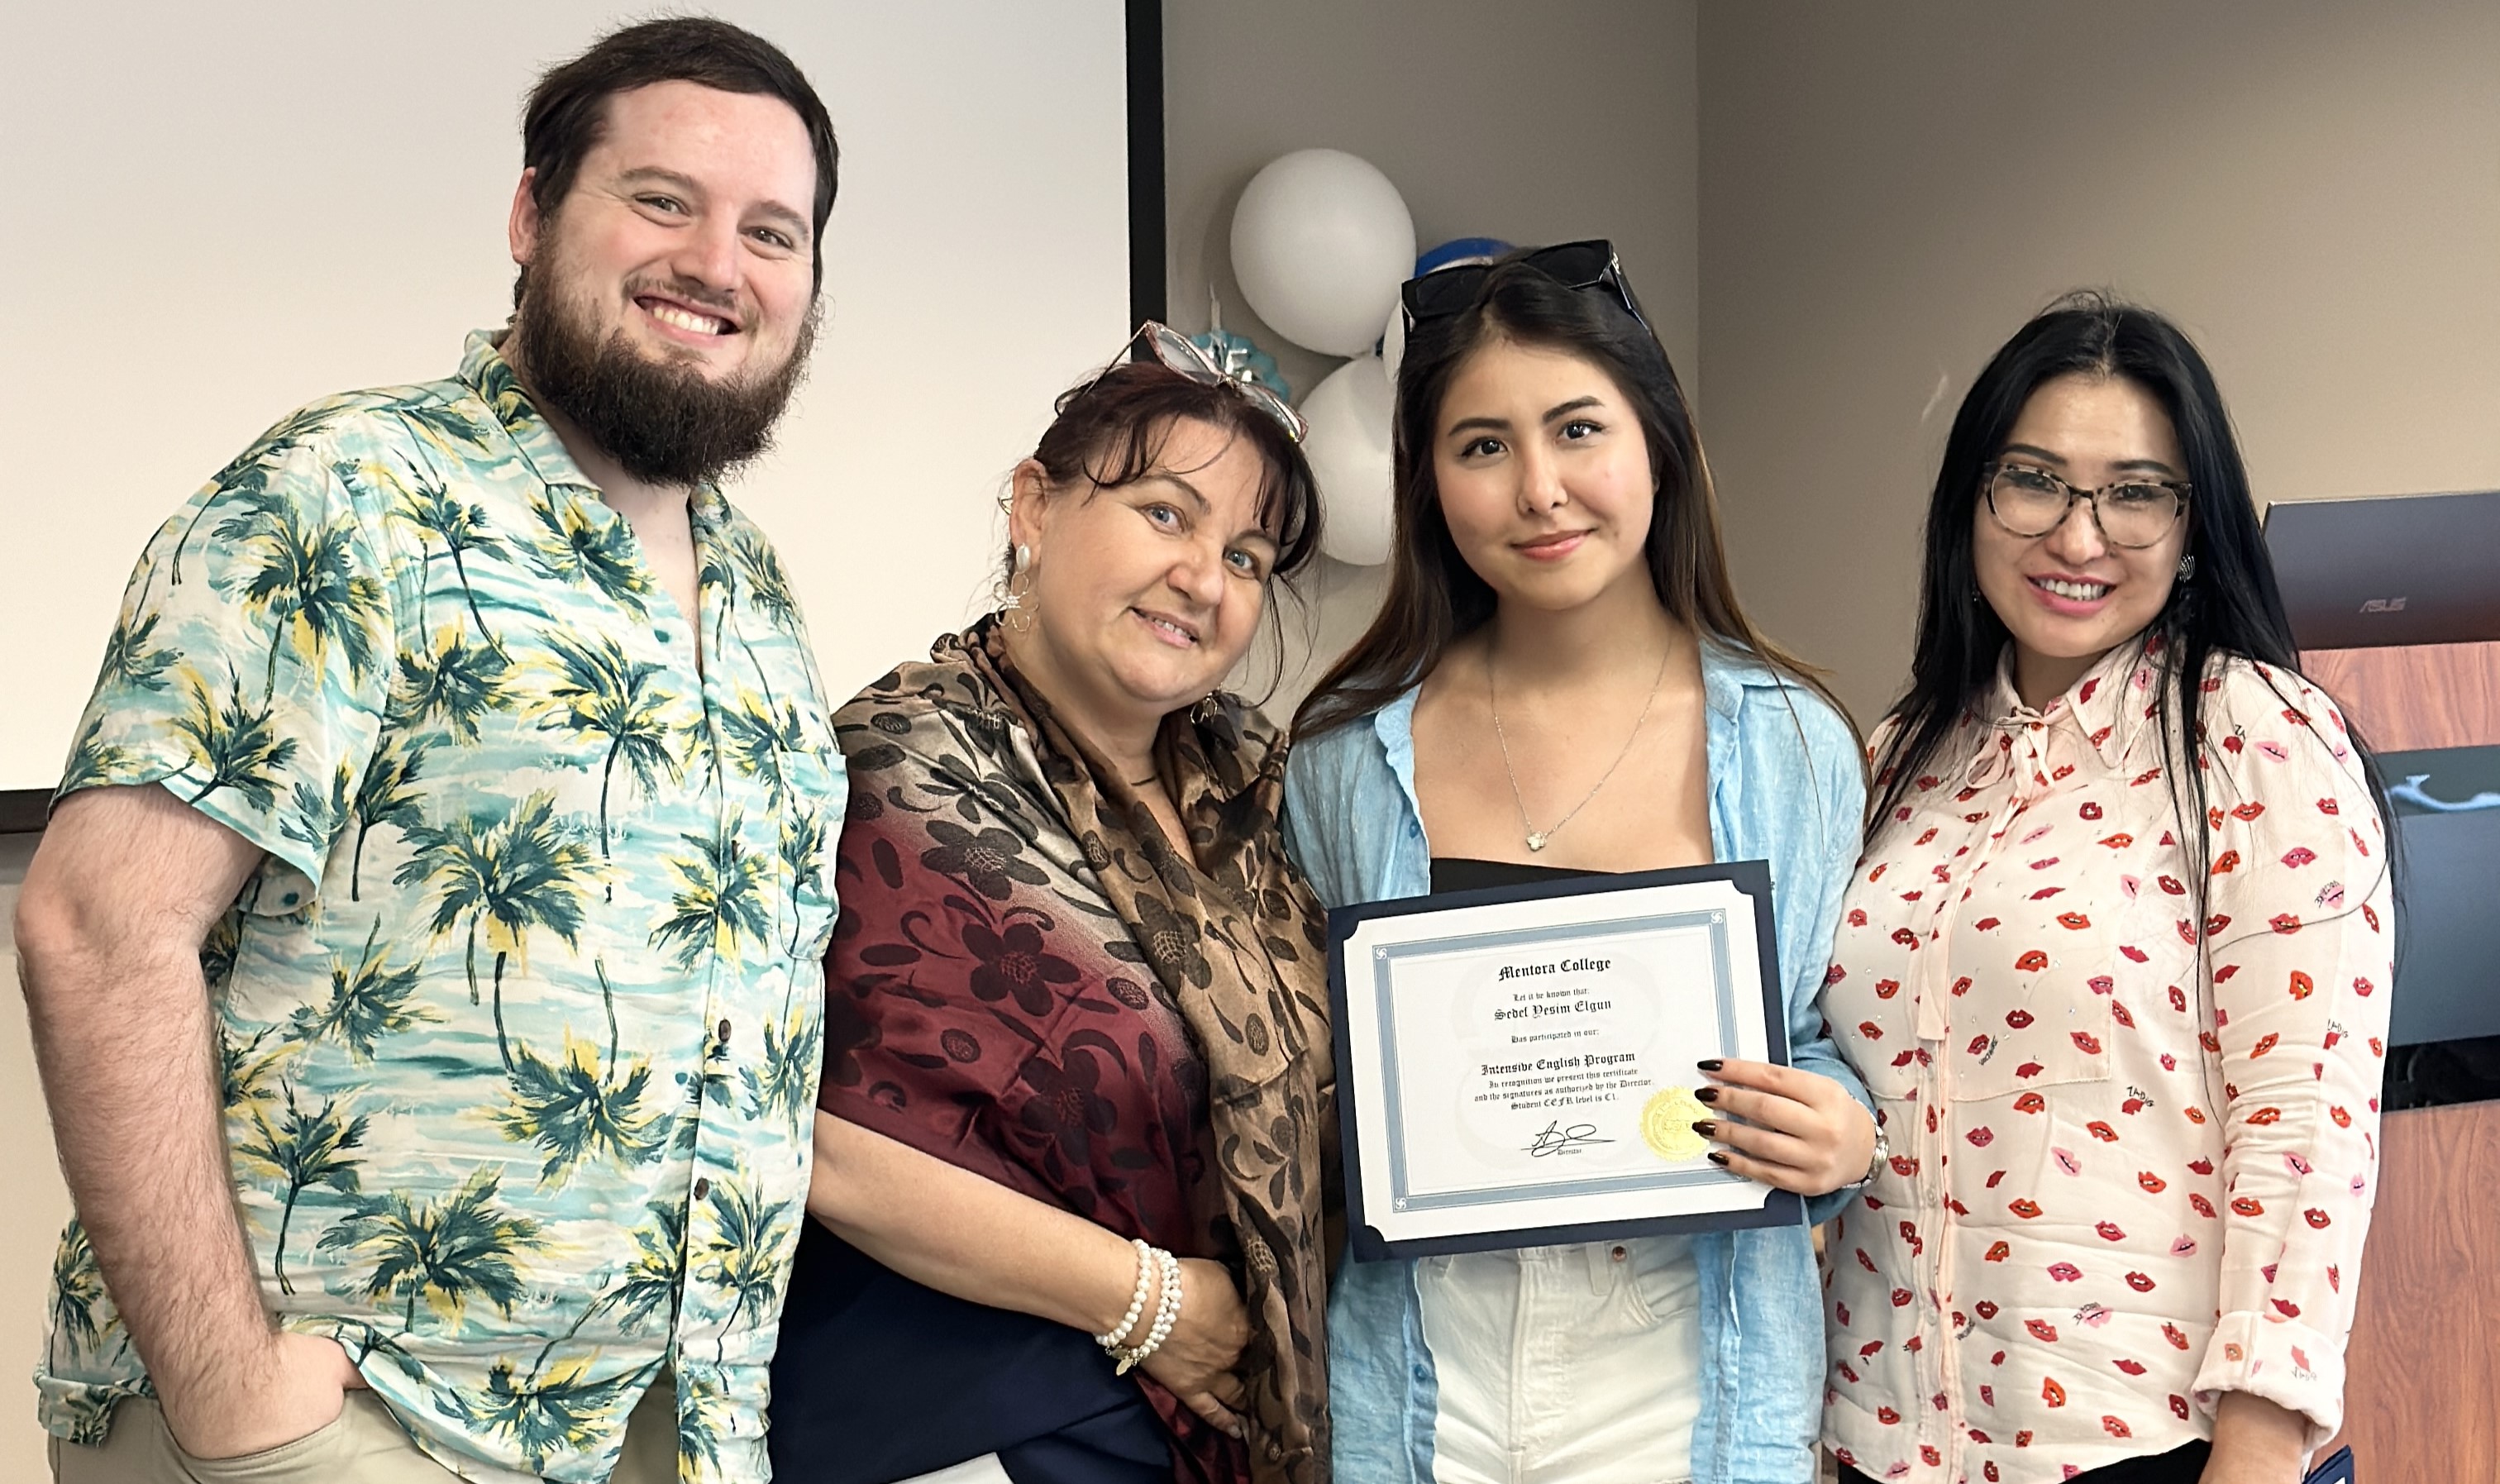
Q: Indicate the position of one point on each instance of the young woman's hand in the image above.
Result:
(1195, 1360)
(1800, 1131)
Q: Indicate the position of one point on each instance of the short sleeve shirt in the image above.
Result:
(2132, 1122)
(519, 1016)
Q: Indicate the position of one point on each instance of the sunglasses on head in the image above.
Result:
(1580, 265)
(1159, 344)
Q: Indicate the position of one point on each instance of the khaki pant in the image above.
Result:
(366, 1445)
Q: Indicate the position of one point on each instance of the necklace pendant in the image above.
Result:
(1535, 841)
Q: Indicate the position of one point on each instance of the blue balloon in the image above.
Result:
(1460, 249)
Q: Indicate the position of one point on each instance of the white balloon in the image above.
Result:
(1392, 343)
(1348, 447)
(1321, 241)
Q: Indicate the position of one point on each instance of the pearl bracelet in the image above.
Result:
(1166, 1314)
(1111, 1338)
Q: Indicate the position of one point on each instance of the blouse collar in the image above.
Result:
(2099, 707)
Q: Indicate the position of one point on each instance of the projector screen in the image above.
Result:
(220, 213)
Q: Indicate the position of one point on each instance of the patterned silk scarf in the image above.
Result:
(997, 884)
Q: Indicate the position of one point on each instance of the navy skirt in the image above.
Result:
(878, 1378)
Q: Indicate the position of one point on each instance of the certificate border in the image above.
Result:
(1751, 878)
(1712, 918)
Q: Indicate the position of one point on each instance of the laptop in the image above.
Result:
(2389, 569)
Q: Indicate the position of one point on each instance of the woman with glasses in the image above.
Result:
(2114, 964)
(1561, 684)
(1075, 1123)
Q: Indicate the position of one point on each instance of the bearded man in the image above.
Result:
(425, 952)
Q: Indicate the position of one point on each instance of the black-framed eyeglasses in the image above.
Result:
(2134, 513)
(1164, 347)
(1581, 265)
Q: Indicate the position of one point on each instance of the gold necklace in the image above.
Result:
(1538, 838)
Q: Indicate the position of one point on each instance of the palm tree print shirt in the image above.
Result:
(519, 1016)
(2132, 1147)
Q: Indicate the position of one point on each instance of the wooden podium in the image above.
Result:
(2421, 1391)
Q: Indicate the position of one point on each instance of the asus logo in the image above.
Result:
(2383, 605)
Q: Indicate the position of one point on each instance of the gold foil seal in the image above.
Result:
(1666, 1125)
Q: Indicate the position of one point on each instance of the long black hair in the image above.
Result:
(1434, 597)
(2229, 607)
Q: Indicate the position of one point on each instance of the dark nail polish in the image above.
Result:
(1705, 1127)
(1712, 1065)
(1718, 1158)
(1706, 1094)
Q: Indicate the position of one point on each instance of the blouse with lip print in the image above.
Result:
(2120, 1183)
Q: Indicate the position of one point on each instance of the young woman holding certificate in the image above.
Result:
(2115, 965)
(1562, 679)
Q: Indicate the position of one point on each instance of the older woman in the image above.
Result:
(1072, 1144)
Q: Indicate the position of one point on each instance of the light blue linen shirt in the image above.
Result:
(1786, 787)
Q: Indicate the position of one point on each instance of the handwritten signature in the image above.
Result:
(1558, 1139)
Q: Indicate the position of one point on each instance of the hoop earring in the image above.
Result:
(2187, 566)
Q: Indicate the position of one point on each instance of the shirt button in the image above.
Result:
(724, 1030)
(1621, 1254)
(702, 1188)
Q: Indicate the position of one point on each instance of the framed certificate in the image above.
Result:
(1516, 1064)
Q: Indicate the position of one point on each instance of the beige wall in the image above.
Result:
(1887, 190)
(1532, 123)
(38, 1203)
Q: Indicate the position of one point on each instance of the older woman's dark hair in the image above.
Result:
(567, 109)
(1114, 430)
(1434, 597)
(2229, 607)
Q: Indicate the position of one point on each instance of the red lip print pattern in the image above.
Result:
(2116, 1427)
(2019, 1019)
(2032, 962)
(2029, 1102)
(2052, 1393)
(2141, 1282)
(2024, 1206)
(2074, 922)
(2247, 1206)
(2127, 1366)
(2066, 1272)
(2177, 1336)
(2085, 1041)
(2109, 1230)
(2042, 1330)
(2152, 1183)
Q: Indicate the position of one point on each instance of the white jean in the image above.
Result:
(1574, 1365)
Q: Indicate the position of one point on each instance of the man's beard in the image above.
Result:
(666, 422)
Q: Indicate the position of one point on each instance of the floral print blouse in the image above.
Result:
(2132, 1154)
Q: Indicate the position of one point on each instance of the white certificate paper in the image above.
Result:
(1515, 1065)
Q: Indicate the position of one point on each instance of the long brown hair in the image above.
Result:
(1435, 598)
